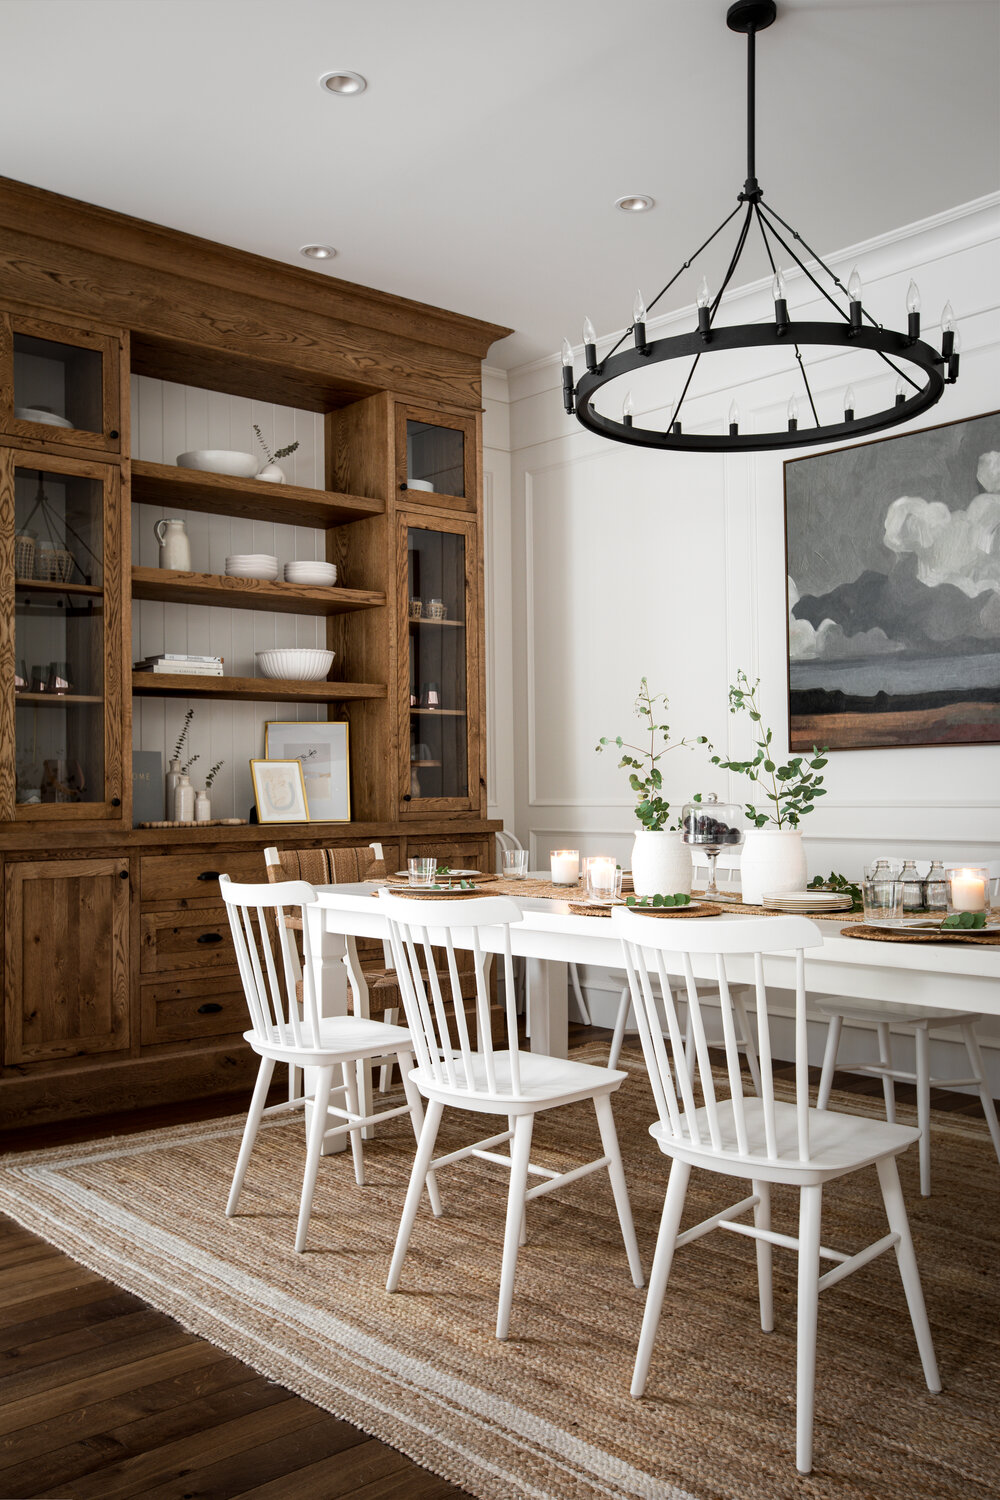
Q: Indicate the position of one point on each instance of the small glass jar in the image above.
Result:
(711, 825)
(968, 888)
(437, 610)
(416, 608)
(913, 887)
(936, 888)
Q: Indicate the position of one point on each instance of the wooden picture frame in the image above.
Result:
(893, 590)
(279, 791)
(322, 748)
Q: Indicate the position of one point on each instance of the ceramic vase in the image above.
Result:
(184, 800)
(273, 474)
(202, 808)
(175, 545)
(170, 786)
(773, 861)
(661, 864)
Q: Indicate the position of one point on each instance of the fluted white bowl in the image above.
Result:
(297, 663)
(313, 575)
(253, 565)
(220, 461)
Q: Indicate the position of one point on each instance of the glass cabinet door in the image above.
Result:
(61, 385)
(435, 453)
(441, 683)
(63, 623)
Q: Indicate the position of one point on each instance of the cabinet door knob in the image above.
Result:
(211, 1009)
(122, 874)
(406, 796)
(209, 875)
(113, 433)
(210, 937)
(116, 802)
(404, 485)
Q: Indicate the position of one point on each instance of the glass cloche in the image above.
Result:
(711, 826)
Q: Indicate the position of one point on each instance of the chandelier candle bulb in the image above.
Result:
(947, 330)
(900, 391)
(793, 414)
(849, 401)
(780, 304)
(913, 311)
(956, 349)
(639, 323)
(590, 344)
(704, 312)
(628, 409)
(734, 420)
(854, 293)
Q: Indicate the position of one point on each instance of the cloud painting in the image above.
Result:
(893, 556)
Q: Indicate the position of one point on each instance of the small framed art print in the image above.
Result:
(322, 750)
(280, 791)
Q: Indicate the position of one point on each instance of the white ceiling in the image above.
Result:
(480, 169)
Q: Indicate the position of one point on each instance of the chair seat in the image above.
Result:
(838, 1143)
(545, 1082)
(887, 1010)
(345, 1036)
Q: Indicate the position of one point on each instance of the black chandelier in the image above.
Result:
(917, 388)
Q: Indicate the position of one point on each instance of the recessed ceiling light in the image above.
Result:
(343, 82)
(318, 252)
(634, 203)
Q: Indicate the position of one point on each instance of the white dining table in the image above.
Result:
(549, 936)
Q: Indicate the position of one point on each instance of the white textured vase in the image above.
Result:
(773, 861)
(661, 864)
(202, 808)
(184, 800)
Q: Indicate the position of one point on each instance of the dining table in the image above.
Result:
(553, 933)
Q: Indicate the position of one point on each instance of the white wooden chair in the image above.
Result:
(763, 1139)
(286, 1027)
(516, 1085)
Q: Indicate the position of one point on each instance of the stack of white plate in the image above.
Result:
(253, 565)
(311, 574)
(807, 901)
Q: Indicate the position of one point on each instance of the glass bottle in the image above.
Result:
(936, 888)
(913, 887)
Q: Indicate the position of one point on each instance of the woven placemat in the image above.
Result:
(871, 935)
(708, 909)
(532, 887)
(414, 893)
(743, 910)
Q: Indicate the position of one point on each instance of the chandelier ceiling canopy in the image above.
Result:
(922, 371)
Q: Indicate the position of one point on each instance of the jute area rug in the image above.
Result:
(548, 1414)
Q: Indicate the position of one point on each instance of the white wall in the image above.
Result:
(630, 562)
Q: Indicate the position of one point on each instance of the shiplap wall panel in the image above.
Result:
(167, 420)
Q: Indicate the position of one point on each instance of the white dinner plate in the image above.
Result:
(923, 924)
(452, 874)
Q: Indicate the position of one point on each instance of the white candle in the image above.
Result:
(565, 865)
(968, 891)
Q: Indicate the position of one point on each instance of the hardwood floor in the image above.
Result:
(102, 1398)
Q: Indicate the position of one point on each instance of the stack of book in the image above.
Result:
(176, 664)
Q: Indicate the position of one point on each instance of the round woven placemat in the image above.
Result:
(415, 893)
(989, 939)
(742, 909)
(707, 909)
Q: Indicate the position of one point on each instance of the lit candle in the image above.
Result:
(601, 876)
(565, 866)
(968, 891)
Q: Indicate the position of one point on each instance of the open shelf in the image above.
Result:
(54, 700)
(253, 499)
(172, 587)
(448, 624)
(44, 586)
(252, 689)
(440, 713)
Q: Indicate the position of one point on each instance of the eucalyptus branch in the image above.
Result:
(645, 776)
(281, 452)
(183, 734)
(790, 789)
(212, 773)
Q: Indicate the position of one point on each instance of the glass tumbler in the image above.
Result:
(515, 864)
(422, 870)
(882, 891)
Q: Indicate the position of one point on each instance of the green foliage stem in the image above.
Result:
(645, 775)
(792, 788)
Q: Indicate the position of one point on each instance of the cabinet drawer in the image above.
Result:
(186, 940)
(183, 1007)
(193, 877)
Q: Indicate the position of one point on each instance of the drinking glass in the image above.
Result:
(515, 864)
(882, 891)
(603, 879)
(422, 870)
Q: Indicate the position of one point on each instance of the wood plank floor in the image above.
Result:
(102, 1398)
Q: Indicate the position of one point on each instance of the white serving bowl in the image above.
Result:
(41, 414)
(220, 461)
(420, 484)
(297, 663)
(253, 565)
(313, 575)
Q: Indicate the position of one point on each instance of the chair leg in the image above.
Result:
(810, 1213)
(750, 1048)
(609, 1140)
(523, 1236)
(405, 1061)
(895, 1212)
(979, 1073)
(317, 1127)
(833, 1030)
(673, 1208)
(520, 1154)
(418, 1175)
(354, 1105)
(923, 1071)
(885, 1059)
(624, 1006)
(765, 1254)
(293, 1082)
(581, 1000)
(250, 1130)
(391, 1017)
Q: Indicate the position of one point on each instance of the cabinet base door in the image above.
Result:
(66, 970)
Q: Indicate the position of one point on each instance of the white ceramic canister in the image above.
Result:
(202, 807)
(773, 861)
(184, 801)
(175, 545)
(661, 864)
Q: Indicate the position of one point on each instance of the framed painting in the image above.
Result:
(322, 751)
(280, 791)
(893, 567)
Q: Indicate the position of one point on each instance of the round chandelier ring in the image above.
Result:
(761, 335)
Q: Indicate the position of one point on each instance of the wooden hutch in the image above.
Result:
(120, 987)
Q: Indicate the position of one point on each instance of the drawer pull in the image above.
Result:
(209, 875)
(211, 1009)
(210, 937)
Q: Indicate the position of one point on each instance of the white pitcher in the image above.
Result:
(175, 545)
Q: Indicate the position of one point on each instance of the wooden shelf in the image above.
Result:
(43, 586)
(253, 499)
(55, 700)
(440, 713)
(252, 689)
(425, 763)
(248, 593)
(453, 624)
